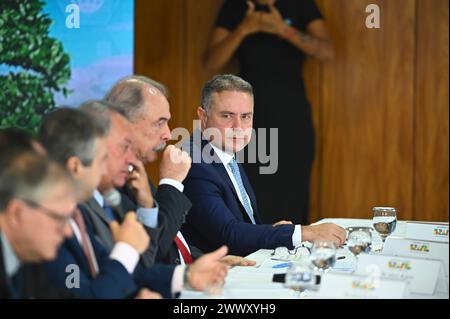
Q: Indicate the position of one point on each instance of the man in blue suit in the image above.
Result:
(83, 143)
(224, 209)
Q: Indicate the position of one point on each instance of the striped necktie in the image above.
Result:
(245, 201)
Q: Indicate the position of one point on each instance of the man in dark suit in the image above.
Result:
(72, 138)
(145, 102)
(224, 209)
(36, 202)
(80, 143)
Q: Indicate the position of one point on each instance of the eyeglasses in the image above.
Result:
(284, 254)
(61, 220)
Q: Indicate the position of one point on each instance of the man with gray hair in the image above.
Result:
(78, 142)
(37, 199)
(205, 271)
(146, 103)
(224, 210)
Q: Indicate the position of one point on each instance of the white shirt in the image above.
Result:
(226, 158)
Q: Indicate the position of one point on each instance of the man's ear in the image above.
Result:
(74, 165)
(15, 210)
(201, 113)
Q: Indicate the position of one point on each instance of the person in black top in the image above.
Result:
(271, 39)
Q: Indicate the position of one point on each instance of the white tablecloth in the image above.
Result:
(256, 282)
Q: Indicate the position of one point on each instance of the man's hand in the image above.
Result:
(138, 182)
(282, 222)
(175, 164)
(131, 232)
(145, 293)
(208, 270)
(325, 231)
(232, 260)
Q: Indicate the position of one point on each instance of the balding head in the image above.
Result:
(145, 103)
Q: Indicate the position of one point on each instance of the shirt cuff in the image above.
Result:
(177, 279)
(148, 216)
(174, 183)
(297, 236)
(126, 255)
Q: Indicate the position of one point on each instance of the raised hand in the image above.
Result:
(138, 182)
(175, 164)
(272, 22)
(131, 232)
(252, 20)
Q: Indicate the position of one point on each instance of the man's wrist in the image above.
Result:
(147, 203)
(305, 233)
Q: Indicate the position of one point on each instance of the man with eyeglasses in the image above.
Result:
(75, 140)
(61, 134)
(37, 199)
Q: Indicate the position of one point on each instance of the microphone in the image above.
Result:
(113, 200)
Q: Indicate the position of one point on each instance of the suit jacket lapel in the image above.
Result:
(94, 206)
(74, 246)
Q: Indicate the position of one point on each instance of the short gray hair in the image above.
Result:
(128, 95)
(67, 132)
(29, 176)
(223, 82)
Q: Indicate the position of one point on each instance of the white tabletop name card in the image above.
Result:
(422, 274)
(336, 285)
(427, 231)
(418, 249)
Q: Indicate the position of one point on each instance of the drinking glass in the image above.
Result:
(359, 240)
(299, 277)
(323, 255)
(384, 221)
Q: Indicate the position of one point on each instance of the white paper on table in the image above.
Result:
(427, 231)
(422, 274)
(335, 285)
(418, 249)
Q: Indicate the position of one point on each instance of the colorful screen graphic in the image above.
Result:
(100, 46)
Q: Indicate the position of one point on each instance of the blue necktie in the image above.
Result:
(109, 212)
(245, 201)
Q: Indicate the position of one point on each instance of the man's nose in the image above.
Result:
(237, 122)
(167, 134)
(130, 156)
